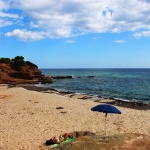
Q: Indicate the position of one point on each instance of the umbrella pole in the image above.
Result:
(105, 125)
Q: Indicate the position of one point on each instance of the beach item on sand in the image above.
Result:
(105, 108)
(62, 139)
(66, 141)
(70, 138)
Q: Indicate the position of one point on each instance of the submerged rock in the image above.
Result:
(62, 77)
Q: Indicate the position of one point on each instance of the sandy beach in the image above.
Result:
(29, 118)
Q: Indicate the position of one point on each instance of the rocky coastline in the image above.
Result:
(127, 104)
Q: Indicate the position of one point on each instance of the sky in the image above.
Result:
(76, 33)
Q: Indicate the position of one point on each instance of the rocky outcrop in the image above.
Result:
(27, 73)
(45, 79)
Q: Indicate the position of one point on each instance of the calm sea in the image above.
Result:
(127, 84)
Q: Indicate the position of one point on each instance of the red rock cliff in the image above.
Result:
(26, 73)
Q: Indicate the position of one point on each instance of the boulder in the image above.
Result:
(45, 79)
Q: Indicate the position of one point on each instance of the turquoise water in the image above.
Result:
(128, 84)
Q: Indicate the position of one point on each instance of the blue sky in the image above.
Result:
(77, 34)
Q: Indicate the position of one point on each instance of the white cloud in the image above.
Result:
(6, 18)
(25, 35)
(96, 38)
(4, 23)
(15, 16)
(4, 4)
(141, 34)
(70, 41)
(68, 18)
(119, 41)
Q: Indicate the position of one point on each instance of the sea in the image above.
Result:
(120, 84)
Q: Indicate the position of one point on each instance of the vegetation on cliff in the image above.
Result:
(17, 63)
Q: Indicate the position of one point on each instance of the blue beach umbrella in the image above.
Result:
(105, 108)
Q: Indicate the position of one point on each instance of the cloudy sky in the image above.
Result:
(77, 33)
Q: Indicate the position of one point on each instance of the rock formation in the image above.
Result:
(18, 71)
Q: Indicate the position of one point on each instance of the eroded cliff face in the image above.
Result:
(26, 74)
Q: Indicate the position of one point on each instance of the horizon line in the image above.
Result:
(96, 68)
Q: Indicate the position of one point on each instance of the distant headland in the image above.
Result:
(19, 71)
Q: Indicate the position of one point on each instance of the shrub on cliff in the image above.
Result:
(18, 62)
(31, 64)
(5, 60)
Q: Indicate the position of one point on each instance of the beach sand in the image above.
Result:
(29, 118)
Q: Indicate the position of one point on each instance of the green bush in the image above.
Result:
(5, 60)
(18, 62)
(31, 64)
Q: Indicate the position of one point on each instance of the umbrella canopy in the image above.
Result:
(105, 108)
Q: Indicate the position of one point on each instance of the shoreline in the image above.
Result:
(139, 105)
